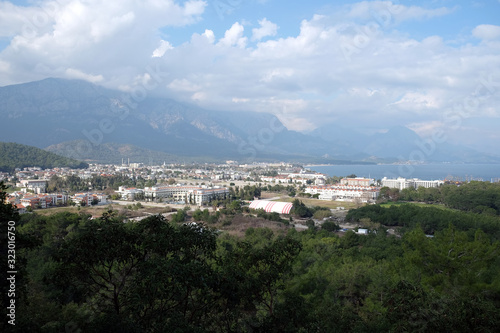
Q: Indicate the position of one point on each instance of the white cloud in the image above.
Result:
(240, 100)
(314, 38)
(16, 20)
(277, 73)
(392, 77)
(4, 66)
(416, 101)
(113, 39)
(428, 128)
(164, 47)
(199, 96)
(389, 12)
(486, 32)
(183, 85)
(234, 36)
(267, 28)
(391, 80)
(209, 34)
(73, 73)
(194, 8)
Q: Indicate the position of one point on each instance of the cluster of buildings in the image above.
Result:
(88, 199)
(365, 189)
(26, 200)
(349, 189)
(33, 183)
(296, 178)
(23, 200)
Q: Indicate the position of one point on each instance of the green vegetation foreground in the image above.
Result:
(103, 275)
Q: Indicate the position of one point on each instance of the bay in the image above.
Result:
(462, 172)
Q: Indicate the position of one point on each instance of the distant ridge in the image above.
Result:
(56, 112)
(15, 155)
(115, 153)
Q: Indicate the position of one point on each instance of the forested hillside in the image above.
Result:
(14, 155)
(102, 275)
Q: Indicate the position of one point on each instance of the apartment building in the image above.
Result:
(345, 192)
(402, 183)
(188, 194)
(358, 181)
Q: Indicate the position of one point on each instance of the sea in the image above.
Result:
(444, 171)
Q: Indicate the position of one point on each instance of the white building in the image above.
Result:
(345, 192)
(89, 198)
(188, 194)
(307, 175)
(402, 183)
(427, 183)
(35, 185)
(129, 193)
(205, 195)
(358, 181)
(42, 200)
(295, 178)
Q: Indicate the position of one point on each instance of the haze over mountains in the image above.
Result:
(88, 122)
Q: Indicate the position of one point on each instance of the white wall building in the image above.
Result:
(188, 194)
(345, 192)
(402, 183)
(205, 195)
(427, 183)
(358, 181)
(88, 198)
(35, 185)
(129, 193)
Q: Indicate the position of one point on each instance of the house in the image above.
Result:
(129, 193)
(21, 209)
(358, 181)
(35, 185)
(87, 199)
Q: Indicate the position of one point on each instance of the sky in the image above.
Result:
(430, 65)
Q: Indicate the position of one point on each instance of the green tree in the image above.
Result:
(450, 259)
(8, 235)
(299, 209)
(253, 277)
(101, 260)
(330, 226)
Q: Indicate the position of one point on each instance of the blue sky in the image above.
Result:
(365, 65)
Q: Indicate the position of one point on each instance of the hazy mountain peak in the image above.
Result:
(52, 111)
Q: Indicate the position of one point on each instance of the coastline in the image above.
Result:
(431, 171)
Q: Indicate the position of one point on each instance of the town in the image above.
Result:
(179, 185)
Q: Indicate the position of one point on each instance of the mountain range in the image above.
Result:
(85, 121)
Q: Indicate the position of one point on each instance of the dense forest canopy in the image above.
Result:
(15, 155)
(158, 275)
